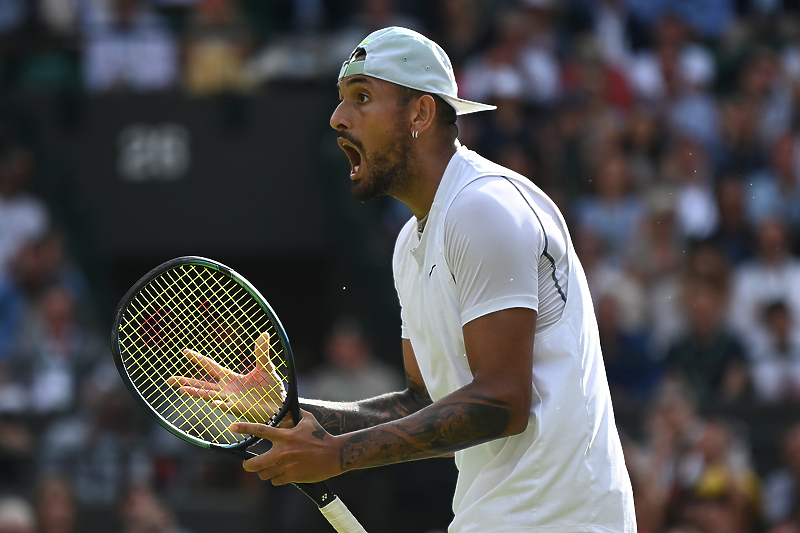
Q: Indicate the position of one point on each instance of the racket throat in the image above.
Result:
(318, 492)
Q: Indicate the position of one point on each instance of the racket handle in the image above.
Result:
(341, 518)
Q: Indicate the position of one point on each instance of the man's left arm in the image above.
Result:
(495, 404)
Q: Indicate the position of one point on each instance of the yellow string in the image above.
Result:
(198, 308)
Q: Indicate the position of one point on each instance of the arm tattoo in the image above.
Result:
(339, 418)
(319, 432)
(466, 420)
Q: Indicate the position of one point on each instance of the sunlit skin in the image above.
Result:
(385, 167)
(374, 131)
(254, 396)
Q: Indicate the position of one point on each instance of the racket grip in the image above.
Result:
(341, 518)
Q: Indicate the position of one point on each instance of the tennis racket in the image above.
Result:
(195, 322)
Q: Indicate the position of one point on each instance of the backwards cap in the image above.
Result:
(407, 58)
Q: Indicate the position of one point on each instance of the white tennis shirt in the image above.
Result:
(494, 241)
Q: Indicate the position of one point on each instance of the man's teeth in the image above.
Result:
(355, 168)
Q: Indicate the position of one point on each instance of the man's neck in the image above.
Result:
(429, 169)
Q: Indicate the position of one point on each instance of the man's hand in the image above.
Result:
(305, 453)
(254, 396)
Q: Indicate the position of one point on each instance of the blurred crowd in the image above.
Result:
(667, 131)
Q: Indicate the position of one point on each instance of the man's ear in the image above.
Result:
(425, 112)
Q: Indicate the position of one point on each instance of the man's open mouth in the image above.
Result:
(353, 155)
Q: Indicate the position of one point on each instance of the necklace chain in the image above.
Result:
(421, 223)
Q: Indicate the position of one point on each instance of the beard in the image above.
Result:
(388, 172)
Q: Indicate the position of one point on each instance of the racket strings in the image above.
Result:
(156, 328)
(210, 329)
(197, 308)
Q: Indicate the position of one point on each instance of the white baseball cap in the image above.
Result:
(407, 58)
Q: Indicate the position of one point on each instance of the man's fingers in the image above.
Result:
(205, 394)
(183, 381)
(260, 430)
(263, 464)
(261, 350)
(206, 363)
(277, 480)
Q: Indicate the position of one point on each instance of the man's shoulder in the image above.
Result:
(473, 164)
(475, 172)
(484, 198)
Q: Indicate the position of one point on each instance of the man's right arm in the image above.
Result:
(343, 417)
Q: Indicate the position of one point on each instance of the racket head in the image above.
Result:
(199, 304)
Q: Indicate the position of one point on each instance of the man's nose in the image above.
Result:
(338, 120)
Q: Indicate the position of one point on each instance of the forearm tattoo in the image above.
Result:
(339, 418)
(465, 420)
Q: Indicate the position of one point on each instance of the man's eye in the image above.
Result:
(362, 98)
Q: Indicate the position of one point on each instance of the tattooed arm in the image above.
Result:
(495, 404)
(338, 418)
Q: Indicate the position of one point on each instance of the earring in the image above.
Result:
(415, 134)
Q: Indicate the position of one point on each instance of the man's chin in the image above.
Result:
(363, 190)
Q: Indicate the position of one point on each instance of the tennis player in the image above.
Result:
(499, 337)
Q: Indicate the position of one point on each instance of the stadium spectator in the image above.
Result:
(654, 72)
(655, 250)
(567, 165)
(632, 374)
(479, 76)
(708, 357)
(128, 47)
(762, 81)
(460, 26)
(672, 428)
(101, 448)
(351, 371)
(143, 512)
(775, 190)
(609, 21)
(38, 265)
(510, 126)
(602, 88)
(734, 234)
(740, 151)
(602, 274)
(613, 212)
(773, 274)
(643, 140)
(694, 112)
(775, 359)
(23, 216)
(537, 55)
(54, 352)
(716, 489)
(217, 44)
(781, 488)
(687, 172)
(56, 508)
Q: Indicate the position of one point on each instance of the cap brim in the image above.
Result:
(464, 107)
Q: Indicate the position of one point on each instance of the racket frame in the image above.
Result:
(329, 504)
(291, 405)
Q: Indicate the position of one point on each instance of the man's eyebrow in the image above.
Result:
(353, 80)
